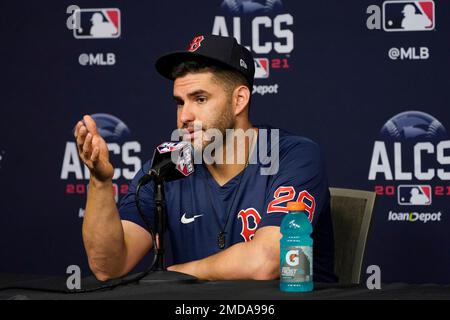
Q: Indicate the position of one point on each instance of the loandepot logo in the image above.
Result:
(415, 216)
(410, 165)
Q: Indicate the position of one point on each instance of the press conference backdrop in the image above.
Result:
(367, 80)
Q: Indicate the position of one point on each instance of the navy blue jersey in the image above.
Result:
(198, 208)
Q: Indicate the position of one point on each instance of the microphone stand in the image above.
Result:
(159, 271)
(160, 222)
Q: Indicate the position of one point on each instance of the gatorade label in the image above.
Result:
(296, 264)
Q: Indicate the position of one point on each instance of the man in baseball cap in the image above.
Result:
(224, 219)
(222, 71)
(221, 51)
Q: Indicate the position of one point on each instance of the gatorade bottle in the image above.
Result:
(296, 255)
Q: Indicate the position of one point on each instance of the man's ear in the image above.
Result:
(241, 99)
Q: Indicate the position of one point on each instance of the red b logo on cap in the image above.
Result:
(195, 43)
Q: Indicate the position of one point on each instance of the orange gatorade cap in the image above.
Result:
(296, 206)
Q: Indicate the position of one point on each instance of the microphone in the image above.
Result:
(171, 161)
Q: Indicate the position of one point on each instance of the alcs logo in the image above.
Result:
(257, 17)
(413, 146)
(402, 16)
(117, 134)
(124, 154)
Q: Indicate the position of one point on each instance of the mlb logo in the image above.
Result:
(408, 15)
(261, 68)
(414, 195)
(97, 23)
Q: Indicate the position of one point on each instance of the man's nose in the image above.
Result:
(186, 113)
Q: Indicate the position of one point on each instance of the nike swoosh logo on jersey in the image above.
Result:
(186, 220)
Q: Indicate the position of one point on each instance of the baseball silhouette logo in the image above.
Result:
(413, 125)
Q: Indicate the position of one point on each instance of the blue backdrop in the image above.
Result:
(334, 71)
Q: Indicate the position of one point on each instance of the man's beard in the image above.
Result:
(225, 121)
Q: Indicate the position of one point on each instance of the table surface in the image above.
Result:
(153, 288)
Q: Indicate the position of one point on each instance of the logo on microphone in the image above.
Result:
(181, 155)
(185, 164)
(169, 147)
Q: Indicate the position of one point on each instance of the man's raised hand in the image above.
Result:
(93, 150)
